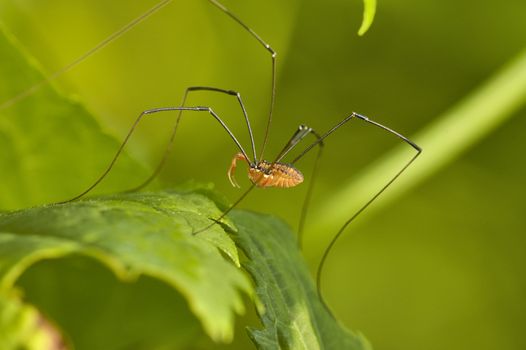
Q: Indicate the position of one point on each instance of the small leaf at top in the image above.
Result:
(369, 10)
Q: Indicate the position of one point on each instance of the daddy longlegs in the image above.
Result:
(261, 173)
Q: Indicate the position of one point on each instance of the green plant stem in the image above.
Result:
(442, 141)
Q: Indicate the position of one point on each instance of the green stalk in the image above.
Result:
(442, 141)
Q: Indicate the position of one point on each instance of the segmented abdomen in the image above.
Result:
(279, 175)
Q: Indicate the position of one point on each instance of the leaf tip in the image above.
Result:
(369, 10)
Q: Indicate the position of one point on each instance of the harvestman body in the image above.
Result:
(261, 173)
(265, 174)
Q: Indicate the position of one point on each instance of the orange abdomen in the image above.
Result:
(280, 175)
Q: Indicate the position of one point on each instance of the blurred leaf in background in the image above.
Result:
(39, 165)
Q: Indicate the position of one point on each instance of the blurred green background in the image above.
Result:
(442, 267)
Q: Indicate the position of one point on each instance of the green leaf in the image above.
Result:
(369, 10)
(294, 317)
(136, 234)
(22, 326)
(51, 148)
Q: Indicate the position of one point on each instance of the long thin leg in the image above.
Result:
(303, 131)
(355, 215)
(306, 201)
(365, 119)
(167, 150)
(132, 129)
(54, 76)
(273, 55)
(228, 210)
(351, 219)
(169, 146)
(243, 109)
